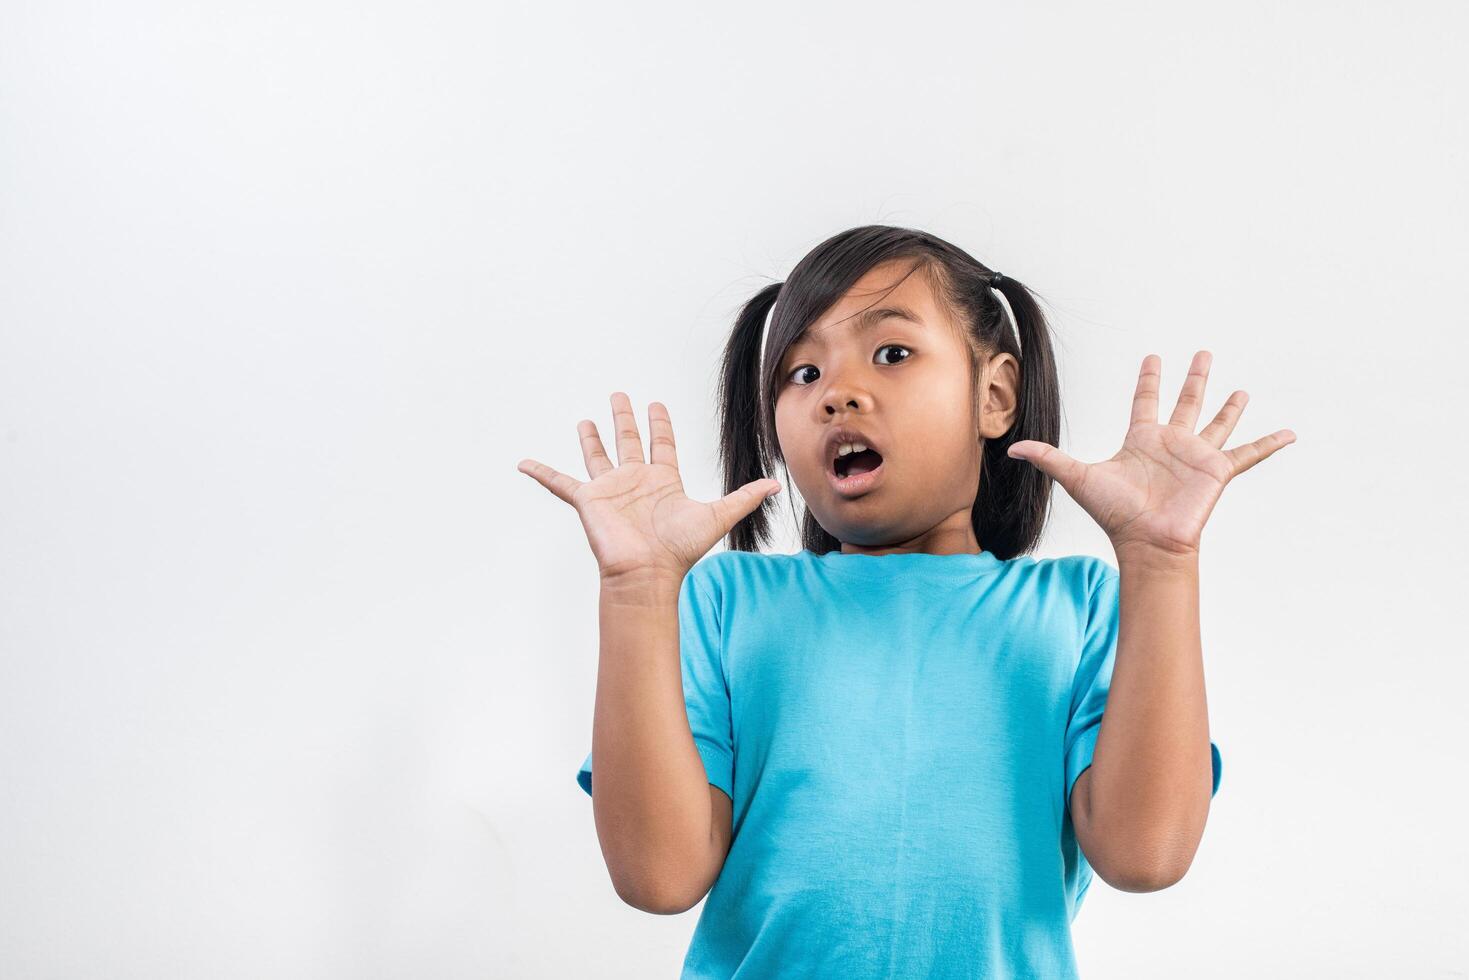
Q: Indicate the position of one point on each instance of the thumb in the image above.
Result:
(736, 506)
(1049, 460)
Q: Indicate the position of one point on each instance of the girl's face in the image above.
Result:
(886, 367)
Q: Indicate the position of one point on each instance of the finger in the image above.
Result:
(1145, 398)
(1191, 397)
(593, 453)
(1051, 461)
(625, 424)
(1218, 430)
(661, 447)
(736, 506)
(1243, 457)
(553, 480)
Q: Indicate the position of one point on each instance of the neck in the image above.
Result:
(952, 536)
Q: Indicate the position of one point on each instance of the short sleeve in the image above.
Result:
(1094, 678)
(706, 691)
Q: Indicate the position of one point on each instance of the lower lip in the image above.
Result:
(857, 483)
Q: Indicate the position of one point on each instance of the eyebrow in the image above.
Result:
(867, 320)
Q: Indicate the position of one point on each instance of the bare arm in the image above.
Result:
(1140, 809)
(663, 828)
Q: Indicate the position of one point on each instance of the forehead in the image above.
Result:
(890, 293)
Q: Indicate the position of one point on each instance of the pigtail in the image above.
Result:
(744, 443)
(1014, 495)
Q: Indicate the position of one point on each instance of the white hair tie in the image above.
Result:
(764, 335)
(1006, 312)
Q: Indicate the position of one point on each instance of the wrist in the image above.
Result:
(1155, 557)
(649, 586)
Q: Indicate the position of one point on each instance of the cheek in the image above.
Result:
(792, 447)
(940, 422)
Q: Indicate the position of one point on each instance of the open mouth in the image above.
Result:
(854, 464)
(855, 474)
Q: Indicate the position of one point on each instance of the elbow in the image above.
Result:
(656, 889)
(1148, 862)
(654, 899)
(1145, 876)
(1142, 881)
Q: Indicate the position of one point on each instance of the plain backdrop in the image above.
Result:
(296, 669)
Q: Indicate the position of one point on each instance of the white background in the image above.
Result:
(296, 669)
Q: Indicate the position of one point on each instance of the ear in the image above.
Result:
(999, 395)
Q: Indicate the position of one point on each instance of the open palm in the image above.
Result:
(635, 513)
(1161, 486)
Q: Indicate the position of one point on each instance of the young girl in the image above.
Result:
(888, 753)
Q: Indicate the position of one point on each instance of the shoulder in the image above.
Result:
(1076, 581)
(1089, 570)
(723, 564)
(1084, 571)
(722, 572)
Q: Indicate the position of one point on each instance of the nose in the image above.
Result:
(845, 396)
(846, 388)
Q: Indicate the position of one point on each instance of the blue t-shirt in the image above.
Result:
(899, 735)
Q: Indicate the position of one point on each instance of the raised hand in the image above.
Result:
(1160, 487)
(635, 513)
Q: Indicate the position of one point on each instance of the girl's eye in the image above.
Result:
(808, 367)
(896, 347)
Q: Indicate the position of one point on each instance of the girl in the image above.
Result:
(888, 753)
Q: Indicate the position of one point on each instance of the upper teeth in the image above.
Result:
(847, 448)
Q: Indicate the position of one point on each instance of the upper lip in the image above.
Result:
(841, 434)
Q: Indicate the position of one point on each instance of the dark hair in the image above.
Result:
(1014, 496)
